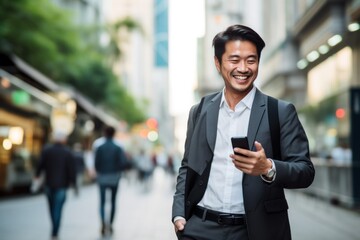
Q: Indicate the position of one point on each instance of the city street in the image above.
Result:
(143, 213)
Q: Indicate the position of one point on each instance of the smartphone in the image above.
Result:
(240, 142)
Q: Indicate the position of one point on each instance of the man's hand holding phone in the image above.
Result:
(250, 162)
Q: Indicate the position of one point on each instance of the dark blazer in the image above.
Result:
(265, 204)
(109, 158)
(58, 163)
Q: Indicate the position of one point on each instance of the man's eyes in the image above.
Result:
(249, 61)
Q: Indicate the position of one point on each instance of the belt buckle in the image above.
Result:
(222, 216)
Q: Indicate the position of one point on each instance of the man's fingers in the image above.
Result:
(180, 225)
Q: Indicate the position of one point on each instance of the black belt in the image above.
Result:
(219, 217)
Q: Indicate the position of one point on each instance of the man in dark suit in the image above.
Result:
(221, 195)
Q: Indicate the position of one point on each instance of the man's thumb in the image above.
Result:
(258, 146)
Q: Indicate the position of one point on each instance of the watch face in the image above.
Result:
(271, 173)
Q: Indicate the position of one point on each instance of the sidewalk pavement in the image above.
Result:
(314, 219)
(143, 213)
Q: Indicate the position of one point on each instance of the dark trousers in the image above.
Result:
(56, 199)
(197, 229)
(113, 191)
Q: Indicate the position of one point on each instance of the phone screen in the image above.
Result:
(240, 142)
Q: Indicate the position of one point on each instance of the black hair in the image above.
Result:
(109, 132)
(236, 32)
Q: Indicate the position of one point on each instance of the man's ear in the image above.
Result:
(217, 63)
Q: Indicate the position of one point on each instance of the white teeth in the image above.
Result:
(241, 77)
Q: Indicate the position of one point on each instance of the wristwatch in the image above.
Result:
(272, 171)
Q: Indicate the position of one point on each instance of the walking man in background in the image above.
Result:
(219, 194)
(110, 160)
(58, 164)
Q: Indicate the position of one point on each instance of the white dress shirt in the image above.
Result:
(224, 191)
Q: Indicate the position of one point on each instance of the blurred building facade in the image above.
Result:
(311, 61)
(85, 12)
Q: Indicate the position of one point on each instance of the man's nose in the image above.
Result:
(241, 67)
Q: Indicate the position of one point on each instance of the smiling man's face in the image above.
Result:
(239, 67)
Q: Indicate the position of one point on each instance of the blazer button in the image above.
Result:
(188, 203)
(201, 182)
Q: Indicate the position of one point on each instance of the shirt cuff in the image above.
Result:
(177, 218)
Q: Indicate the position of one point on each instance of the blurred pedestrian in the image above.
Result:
(223, 195)
(145, 168)
(341, 154)
(170, 165)
(79, 166)
(58, 164)
(110, 160)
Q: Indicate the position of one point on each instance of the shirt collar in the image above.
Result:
(247, 100)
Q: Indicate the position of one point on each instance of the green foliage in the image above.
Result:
(46, 37)
(39, 33)
(121, 99)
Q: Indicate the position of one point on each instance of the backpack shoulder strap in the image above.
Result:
(273, 113)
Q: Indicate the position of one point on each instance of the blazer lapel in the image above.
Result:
(212, 115)
(257, 113)
(201, 149)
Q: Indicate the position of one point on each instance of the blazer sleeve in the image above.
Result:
(178, 208)
(295, 169)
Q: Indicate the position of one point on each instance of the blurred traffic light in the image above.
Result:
(152, 123)
(153, 136)
(340, 113)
